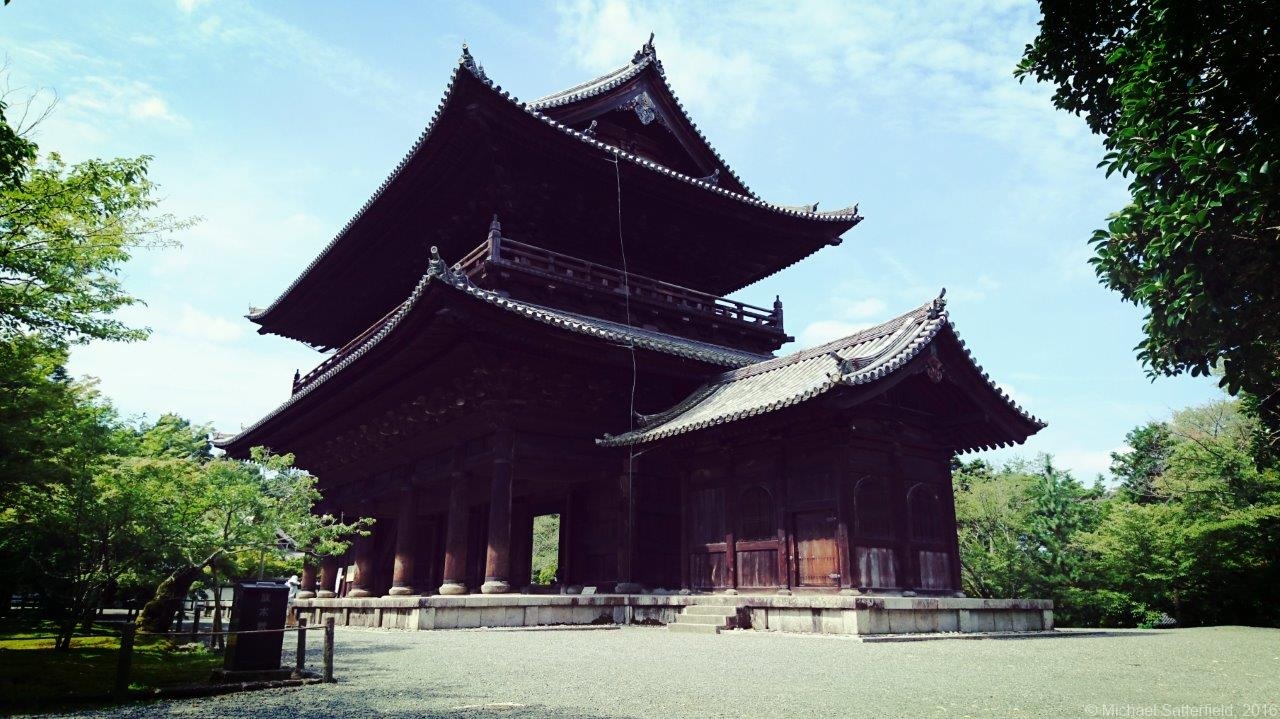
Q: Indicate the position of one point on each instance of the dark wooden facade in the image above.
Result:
(534, 375)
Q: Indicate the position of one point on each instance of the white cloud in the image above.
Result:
(189, 6)
(196, 324)
(1085, 464)
(823, 331)
(870, 307)
(152, 108)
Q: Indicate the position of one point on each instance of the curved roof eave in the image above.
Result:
(894, 344)
(439, 272)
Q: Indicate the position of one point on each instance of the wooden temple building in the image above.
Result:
(529, 316)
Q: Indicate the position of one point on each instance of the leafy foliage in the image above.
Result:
(65, 231)
(1148, 455)
(1187, 99)
(1200, 543)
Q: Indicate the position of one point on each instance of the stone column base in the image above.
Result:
(494, 586)
(400, 592)
(359, 593)
(325, 594)
(453, 588)
(304, 594)
(628, 588)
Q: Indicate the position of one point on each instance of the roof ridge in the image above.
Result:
(467, 62)
(859, 336)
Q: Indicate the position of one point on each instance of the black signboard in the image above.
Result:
(258, 605)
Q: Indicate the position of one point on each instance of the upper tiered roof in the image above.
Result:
(485, 152)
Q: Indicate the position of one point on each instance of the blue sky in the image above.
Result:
(274, 122)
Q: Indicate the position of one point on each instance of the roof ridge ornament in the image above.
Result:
(939, 305)
(469, 62)
(437, 266)
(645, 51)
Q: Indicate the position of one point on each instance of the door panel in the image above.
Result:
(817, 564)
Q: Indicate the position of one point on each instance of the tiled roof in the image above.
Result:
(468, 64)
(438, 273)
(646, 57)
(781, 382)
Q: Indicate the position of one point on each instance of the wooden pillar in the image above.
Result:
(564, 561)
(908, 575)
(844, 506)
(782, 518)
(497, 565)
(953, 536)
(731, 493)
(307, 589)
(328, 577)
(684, 531)
(455, 540)
(362, 585)
(626, 529)
(406, 543)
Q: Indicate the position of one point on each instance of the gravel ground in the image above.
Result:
(648, 672)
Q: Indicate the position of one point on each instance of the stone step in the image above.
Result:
(693, 628)
(723, 610)
(711, 619)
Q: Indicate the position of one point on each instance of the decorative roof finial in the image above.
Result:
(470, 63)
(646, 51)
(437, 267)
(297, 376)
(591, 129)
(939, 305)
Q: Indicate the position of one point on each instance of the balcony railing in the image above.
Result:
(503, 252)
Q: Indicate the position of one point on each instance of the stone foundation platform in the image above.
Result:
(820, 614)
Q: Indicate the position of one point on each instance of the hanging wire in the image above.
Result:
(626, 287)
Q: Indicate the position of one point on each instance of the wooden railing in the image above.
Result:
(343, 351)
(504, 252)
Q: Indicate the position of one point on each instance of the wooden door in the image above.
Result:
(817, 563)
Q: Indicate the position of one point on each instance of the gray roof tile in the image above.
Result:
(781, 382)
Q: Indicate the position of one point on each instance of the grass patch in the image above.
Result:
(35, 677)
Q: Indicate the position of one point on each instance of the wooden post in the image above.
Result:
(328, 649)
(685, 516)
(455, 542)
(363, 584)
(300, 658)
(307, 588)
(328, 578)
(125, 661)
(626, 529)
(406, 543)
(497, 567)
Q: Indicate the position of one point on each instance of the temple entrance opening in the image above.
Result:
(546, 549)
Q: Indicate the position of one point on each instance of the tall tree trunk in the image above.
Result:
(157, 616)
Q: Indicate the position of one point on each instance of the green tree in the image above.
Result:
(992, 516)
(1148, 454)
(69, 535)
(1186, 96)
(175, 437)
(65, 231)
(230, 508)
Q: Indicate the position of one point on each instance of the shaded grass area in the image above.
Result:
(35, 678)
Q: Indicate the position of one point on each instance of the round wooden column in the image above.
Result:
(626, 530)
(406, 544)
(497, 567)
(362, 586)
(455, 541)
(307, 589)
(328, 578)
